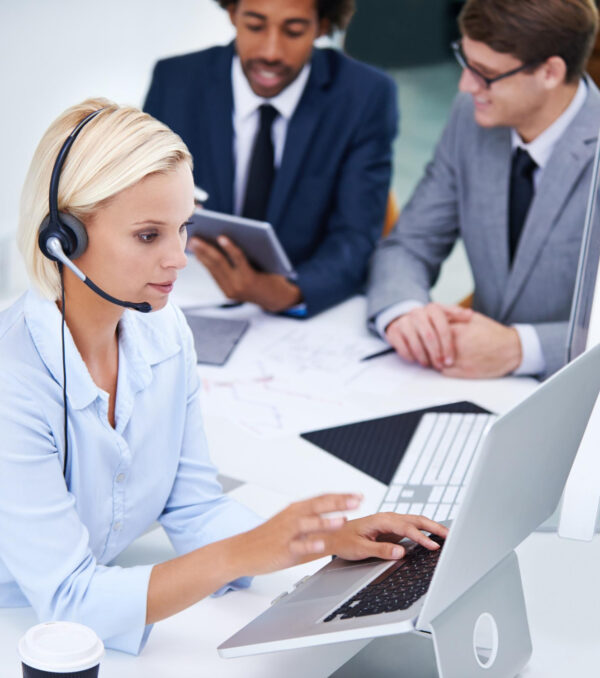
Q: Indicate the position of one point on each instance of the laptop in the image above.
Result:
(518, 474)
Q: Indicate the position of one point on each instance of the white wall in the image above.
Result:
(54, 53)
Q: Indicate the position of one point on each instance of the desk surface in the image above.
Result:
(558, 576)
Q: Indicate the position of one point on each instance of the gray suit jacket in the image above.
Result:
(464, 193)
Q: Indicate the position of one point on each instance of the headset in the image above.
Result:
(62, 238)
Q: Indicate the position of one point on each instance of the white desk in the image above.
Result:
(559, 577)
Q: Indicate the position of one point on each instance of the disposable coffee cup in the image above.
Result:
(60, 649)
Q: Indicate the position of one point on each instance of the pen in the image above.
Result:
(376, 355)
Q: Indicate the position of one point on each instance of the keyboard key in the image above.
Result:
(402, 507)
(414, 449)
(471, 444)
(442, 450)
(388, 507)
(436, 493)
(429, 510)
(453, 512)
(443, 512)
(429, 449)
(457, 448)
(415, 509)
(397, 588)
(393, 493)
(450, 494)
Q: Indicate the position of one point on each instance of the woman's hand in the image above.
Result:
(295, 535)
(303, 532)
(376, 536)
(300, 533)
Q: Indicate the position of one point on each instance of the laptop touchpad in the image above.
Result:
(332, 583)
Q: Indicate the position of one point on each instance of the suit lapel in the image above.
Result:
(570, 157)
(219, 139)
(299, 133)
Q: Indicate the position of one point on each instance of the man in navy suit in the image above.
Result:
(293, 134)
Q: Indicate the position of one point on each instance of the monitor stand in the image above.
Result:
(483, 634)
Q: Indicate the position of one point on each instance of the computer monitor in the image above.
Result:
(584, 322)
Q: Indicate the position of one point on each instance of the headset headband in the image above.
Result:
(60, 161)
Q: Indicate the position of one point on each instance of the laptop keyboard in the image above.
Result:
(432, 476)
(393, 590)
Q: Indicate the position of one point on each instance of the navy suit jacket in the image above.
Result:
(329, 195)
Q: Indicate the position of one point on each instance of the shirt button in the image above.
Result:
(117, 526)
(120, 477)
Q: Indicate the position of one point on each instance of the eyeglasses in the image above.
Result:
(484, 81)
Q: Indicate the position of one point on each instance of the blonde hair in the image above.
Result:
(115, 150)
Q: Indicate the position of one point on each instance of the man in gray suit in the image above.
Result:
(510, 176)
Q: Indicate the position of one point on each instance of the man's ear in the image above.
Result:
(554, 71)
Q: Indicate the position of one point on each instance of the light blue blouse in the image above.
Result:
(57, 538)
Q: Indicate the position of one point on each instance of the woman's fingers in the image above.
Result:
(308, 524)
(307, 547)
(327, 503)
(308, 520)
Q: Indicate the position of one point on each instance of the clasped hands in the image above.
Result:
(239, 281)
(458, 342)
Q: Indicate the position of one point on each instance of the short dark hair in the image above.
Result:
(338, 12)
(535, 30)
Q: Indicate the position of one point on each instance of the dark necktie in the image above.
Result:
(521, 195)
(261, 170)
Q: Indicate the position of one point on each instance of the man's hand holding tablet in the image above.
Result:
(245, 259)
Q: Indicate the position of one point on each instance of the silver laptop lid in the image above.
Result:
(519, 475)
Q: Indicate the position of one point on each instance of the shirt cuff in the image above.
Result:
(128, 600)
(533, 361)
(385, 317)
(235, 585)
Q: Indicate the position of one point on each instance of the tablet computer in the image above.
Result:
(256, 239)
(215, 338)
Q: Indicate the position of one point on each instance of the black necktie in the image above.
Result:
(261, 169)
(521, 194)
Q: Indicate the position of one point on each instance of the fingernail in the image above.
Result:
(318, 546)
(448, 362)
(397, 552)
(336, 522)
(354, 502)
(222, 241)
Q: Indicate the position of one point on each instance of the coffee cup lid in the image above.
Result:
(60, 647)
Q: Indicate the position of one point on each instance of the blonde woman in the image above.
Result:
(135, 442)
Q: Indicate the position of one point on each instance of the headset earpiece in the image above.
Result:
(70, 232)
(66, 228)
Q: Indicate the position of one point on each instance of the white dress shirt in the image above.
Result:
(540, 149)
(246, 118)
(59, 535)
